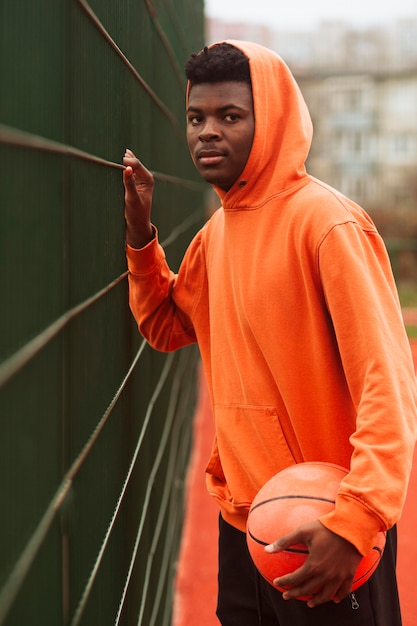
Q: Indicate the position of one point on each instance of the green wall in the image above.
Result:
(95, 427)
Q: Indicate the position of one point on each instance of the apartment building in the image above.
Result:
(365, 140)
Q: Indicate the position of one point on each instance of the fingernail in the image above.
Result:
(269, 548)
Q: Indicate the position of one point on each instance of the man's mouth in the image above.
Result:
(210, 157)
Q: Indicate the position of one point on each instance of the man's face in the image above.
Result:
(220, 129)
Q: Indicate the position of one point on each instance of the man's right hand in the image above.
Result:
(139, 183)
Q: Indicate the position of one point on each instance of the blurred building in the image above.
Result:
(365, 141)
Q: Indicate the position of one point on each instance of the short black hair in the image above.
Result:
(219, 63)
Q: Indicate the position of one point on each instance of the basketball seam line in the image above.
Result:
(264, 543)
(289, 497)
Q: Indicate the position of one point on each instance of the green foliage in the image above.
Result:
(408, 296)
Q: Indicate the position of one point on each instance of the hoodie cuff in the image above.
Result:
(355, 523)
(142, 261)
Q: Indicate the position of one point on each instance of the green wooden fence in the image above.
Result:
(94, 425)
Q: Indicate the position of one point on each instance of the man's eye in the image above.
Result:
(195, 119)
(232, 117)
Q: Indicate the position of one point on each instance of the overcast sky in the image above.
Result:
(305, 14)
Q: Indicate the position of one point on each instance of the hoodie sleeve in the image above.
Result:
(161, 301)
(362, 300)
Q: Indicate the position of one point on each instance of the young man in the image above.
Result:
(288, 291)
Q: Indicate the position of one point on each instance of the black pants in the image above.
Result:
(246, 599)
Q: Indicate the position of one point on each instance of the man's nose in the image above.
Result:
(210, 131)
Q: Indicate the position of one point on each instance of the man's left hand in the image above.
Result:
(329, 569)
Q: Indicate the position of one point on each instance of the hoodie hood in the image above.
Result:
(283, 131)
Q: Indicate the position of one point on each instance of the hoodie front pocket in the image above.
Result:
(251, 448)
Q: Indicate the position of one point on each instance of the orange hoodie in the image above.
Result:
(288, 291)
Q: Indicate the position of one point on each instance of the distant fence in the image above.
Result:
(95, 426)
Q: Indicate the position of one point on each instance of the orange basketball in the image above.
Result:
(299, 494)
